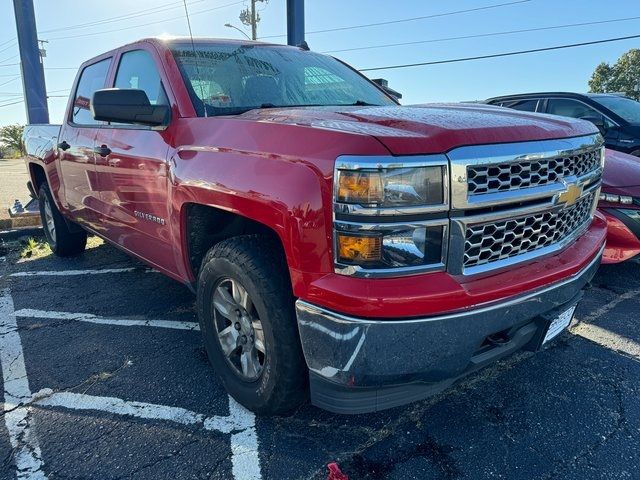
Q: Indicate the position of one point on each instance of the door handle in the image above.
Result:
(63, 145)
(102, 150)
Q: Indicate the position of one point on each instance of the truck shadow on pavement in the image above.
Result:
(570, 411)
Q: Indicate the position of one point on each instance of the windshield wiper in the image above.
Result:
(362, 103)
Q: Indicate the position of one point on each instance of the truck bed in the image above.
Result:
(40, 138)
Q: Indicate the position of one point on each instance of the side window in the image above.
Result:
(137, 69)
(570, 108)
(522, 105)
(92, 78)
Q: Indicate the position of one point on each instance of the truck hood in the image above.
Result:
(621, 171)
(433, 128)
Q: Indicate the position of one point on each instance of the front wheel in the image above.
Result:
(61, 239)
(247, 318)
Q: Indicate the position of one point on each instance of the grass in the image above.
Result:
(34, 248)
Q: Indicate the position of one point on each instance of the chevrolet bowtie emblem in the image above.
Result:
(570, 195)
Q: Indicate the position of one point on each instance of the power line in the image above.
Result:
(496, 55)
(12, 103)
(9, 81)
(119, 18)
(7, 48)
(412, 19)
(7, 41)
(483, 35)
(145, 24)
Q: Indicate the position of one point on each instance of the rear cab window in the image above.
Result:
(92, 78)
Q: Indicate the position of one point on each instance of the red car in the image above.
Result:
(341, 246)
(620, 204)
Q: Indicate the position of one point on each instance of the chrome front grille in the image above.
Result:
(515, 202)
(490, 242)
(503, 177)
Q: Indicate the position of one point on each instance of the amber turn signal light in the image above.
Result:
(353, 248)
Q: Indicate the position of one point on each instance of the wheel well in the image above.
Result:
(206, 226)
(38, 176)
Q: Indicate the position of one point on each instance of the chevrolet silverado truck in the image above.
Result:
(341, 246)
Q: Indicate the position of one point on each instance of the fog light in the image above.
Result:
(352, 248)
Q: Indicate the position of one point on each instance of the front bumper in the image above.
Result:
(361, 365)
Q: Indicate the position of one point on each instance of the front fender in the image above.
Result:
(285, 194)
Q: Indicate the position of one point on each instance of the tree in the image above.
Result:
(623, 76)
(11, 138)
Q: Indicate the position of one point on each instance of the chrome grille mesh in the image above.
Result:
(503, 177)
(489, 242)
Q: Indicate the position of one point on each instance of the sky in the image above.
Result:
(69, 43)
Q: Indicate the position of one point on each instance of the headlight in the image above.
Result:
(392, 187)
(373, 197)
(610, 198)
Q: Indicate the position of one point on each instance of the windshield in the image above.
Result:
(231, 79)
(626, 108)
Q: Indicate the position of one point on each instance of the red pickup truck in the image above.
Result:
(340, 245)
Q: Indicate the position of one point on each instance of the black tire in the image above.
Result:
(257, 263)
(63, 241)
(636, 153)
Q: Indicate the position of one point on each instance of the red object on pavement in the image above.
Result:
(335, 473)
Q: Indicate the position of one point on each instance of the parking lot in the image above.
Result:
(105, 376)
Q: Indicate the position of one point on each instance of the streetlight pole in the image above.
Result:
(239, 29)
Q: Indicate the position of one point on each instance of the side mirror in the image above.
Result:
(128, 105)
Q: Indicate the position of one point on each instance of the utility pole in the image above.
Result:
(35, 91)
(250, 17)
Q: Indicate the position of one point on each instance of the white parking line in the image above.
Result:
(18, 415)
(608, 339)
(62, 273)
(121, 322)
(240, 423)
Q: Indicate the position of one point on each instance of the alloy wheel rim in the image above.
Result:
(48, 217)
(239, 329)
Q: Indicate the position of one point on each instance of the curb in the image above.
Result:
(17, 233)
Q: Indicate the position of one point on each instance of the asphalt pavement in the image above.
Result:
(105, 376)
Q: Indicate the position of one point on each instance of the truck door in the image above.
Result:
(131, 162)
(79, 189)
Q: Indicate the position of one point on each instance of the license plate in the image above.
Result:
(558, 324)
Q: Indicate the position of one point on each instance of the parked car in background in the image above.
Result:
(617, 117)
(340, 244)
(620, 204)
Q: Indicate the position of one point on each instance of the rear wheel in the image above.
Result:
(61, 239)
(247, 318)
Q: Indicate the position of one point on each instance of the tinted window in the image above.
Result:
(570, 108)
(137, 69)
(522, 105)
(623, 106)
(575, 109)
(92, 78)
(231, 79)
